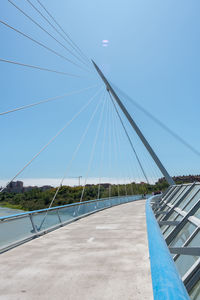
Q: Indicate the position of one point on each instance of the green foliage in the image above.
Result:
(38, 199)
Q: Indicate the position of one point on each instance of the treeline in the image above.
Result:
(183, 179)
(38, 199)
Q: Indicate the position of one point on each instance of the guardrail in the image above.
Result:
(19, 228)
(166, 281)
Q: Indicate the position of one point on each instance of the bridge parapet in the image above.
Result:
(20, 228)
(173, 224)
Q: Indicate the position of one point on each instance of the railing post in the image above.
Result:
(59, 217)
(97, 204)
(33, 225)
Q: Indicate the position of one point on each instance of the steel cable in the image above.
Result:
(158, 122)
(73, 45)
(44, 101)
(102, 151)
(38, 68)
(72, 159)
(131, 144)
(41, 44)
(42, 28)
(93, 150)
(51, 140)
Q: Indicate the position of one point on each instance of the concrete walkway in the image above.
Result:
(103, 256)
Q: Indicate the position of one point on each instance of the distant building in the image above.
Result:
(18, 187)
(15, 187)
(46, 187)
(105, 185)
(29, 188)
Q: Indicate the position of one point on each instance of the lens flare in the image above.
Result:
(105, 43)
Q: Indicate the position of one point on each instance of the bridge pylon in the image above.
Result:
(135, 127)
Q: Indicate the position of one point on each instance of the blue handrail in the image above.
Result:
(166, 281)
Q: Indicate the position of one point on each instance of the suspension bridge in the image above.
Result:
(117, 245)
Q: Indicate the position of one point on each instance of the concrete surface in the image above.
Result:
(103, 256)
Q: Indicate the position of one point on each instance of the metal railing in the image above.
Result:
(19, 228)
(178, 215)
(166, 281)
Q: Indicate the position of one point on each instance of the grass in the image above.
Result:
(12, 206)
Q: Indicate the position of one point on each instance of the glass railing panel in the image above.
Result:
(67, 213)
(167, 208)
(169, 195)
(195, 291)
(118, 201)
(183, 235)
(91, 207)
(171, 218)
(168, 192)
(123, 200)
(197, 213)
(192, 202)
(184, 262)
(114, 201)
(176, 199)
(128, 199)
(81, 209)
(170, 227)
(160, 216)
(107, 203)
(15, 230)
(178, 194)
(189, 196)
(45, 220)
(100, 204)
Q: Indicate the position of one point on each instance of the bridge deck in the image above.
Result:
(103, 256)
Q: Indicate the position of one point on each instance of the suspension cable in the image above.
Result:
(109, 152)
(116, 146)
(43, 29)
(135, 166)
(51, 140)
(93, 150)
(41, 44)
(102, 151)
(38, 68)
(115, 150)
(72, 159)
(44, 101)
(119, 139)
(131, 144)
(69, 41)
(160, 123)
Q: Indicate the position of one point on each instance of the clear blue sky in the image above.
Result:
(152, 55)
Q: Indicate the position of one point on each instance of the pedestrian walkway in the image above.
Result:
(102, 256)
